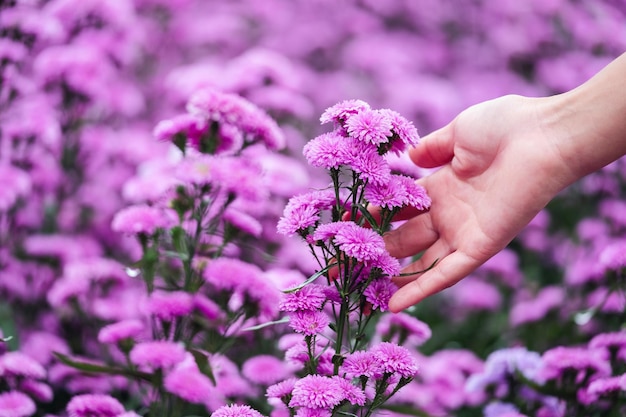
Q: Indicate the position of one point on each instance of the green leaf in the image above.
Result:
(101, 369)
(431, 266)
(203, 364)
(310, 279)
(368, 216)
(267, 324)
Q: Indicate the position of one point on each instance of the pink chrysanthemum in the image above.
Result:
(370, 166)
(358, 242)
(16, 404)
(189, 384)
(302, 211)
(243, 222)
(389, 265)
(379, 292)
(185, 124)
(388, 195)
(328, 150)
(416, 331)
(207, 307)
(405, 133)
(395, 359)
(585, 361)
(606, 386)
(369, 126)
(38, 390)
(313, 412)
(126, 329)
(315, 391)
(416, 194)
(281, 389)
(19, 364)
(157, 354)
(234, 410)
(340, 111)
(308, 322)
(310, 297)
(142, 219)
(362, 363)
(351, 392)
(265, 369)
(168, 305)
(613, 340)
(15, 183)
(89, 405)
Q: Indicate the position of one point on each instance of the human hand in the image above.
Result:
(499, 167)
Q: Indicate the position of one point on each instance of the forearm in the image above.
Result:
(588, 123)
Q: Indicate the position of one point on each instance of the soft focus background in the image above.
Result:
(83, 83)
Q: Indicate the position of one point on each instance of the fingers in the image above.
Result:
(447, 272)
(435, 149)
(412, 237)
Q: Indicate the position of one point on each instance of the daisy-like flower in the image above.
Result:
(395, 359)
(143, 219)
(126, 329)
(351, 392)
(89, 405)
(184, 124)
(308, 322)
(18, 404)
(389, 265)
(282, 389)
(316, 391)
(18, 364)
(362, 363)
(404, 132)
(265, 369)
(313, 412)
(416, 331)
(379, 292)
(358, 242)
(370, 166)
(234, 410)
(416, 195)
(612, 340)
(310, 297)
(584, 361)
(157, 354)
(207, 307)
(303, 211)
(329, 150)
(390, 194)
(369, 126)
(168, 305)
(188, 383)
(607, 386)
(341, 111)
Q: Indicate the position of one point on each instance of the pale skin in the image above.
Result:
(501, 162)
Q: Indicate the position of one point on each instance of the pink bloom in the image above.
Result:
(19, 364)
(416, 331)
(281, 389)
(142, 219)
(308, 322)
(265, 369)
(395, 359)
(16, 404)
(351, 392)
(184, 124)
(302, 211)
(189, 383)
(379, 292)
(310, 297)
(116, 332)
(362, 363)
(157, 354)
(168, 305)
(38, 390)
(313, 412)
(236, 411)
(359, 243)
(328, 150)
(369, 126)
(207, 307)
(89, 405)
(612, 340)
(404, 132)
(14, 183)
(370, 166)
(560, 359)
(606, 386)
(315, 391)
(341, 111)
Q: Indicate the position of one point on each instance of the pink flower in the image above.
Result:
(126, 329)
(316, 391)
(369, 126)
(265, 369)
(310, 297)
(362, 363)
(189, 384)
(143, 219)
(308, 322)
(395, 359)
(89, 405)
(358, 242)
(16, 404)
(379, 292)
(207, 307)
(19, 364)
(281, 389)
(236, 411)
(157, 354)
(328, 150)
(168, 305)
(342, 110)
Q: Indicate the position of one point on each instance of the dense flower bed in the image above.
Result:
(184, 224)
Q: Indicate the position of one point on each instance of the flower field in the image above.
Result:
(187, 223)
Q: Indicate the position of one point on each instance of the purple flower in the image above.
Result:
(607, 386)
(341, 111)
(316, 391)
(15, 183)
(116, 332)
(362, 363)
(395, 359)
(168, 305)
(310, 297)
(414, 330)
(612, 340)
(236, 411)
(17, 404)
(498, 409)
(370, 166)
(379, 292)
(19, 364)
(243, 221)
(389, 265)
(89, 405)
(538, 307)
(207, 307)
(416, 194)
(351, 392)
(143, 219)
(157, 354)
(390, 194)
(369, 126)
(329, 150)
(302, 211)
(504, 363)
(188, 383)
(282, 389)
(308, 322)
(358, 242)
(558, 360)
(38, 390)
(313, 412)
(404, 132)
(186, 124)
(265, 369)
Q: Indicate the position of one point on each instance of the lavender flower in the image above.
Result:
(329, 150)
(404, 132)
(89, 405)
(403, 329)
(315, 391)
(503, 364)
(612, 340)
(303, 211)
(583, 362)
(282, 389)
(16, 404)
(607, 386)
(308, 322)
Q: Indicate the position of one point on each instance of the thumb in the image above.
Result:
(435, 149)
